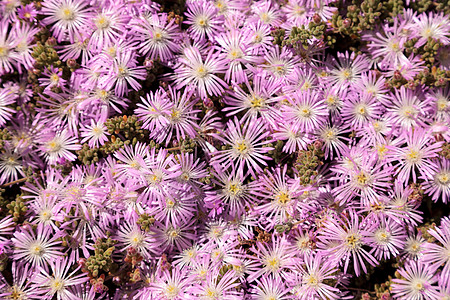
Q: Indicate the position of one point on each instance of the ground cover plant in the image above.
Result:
(224, 149)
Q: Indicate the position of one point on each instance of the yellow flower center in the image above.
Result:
(202, 72)
(157, 36)
(234, 54)
(102, 22)
(16, 294)
(242, 147)
(443, 178)
(170, 203)
(362, 178)
(3, 51)
(57, 284)
(256, 102)
(413, 156)
(346, 73)
(442, 104)
(283, 197)
(54, 78)
(202, 22)
(37, 250)
(265, 17)
(175, 115)
(305, 112)
(272, 263)
(361, 109)
(172, 291)
(312, 280)
(54, 146)
(418, 286)
(353, 241)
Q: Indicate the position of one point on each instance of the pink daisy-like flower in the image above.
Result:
(181, 118)
(56, 282)
(281, 194)
(132, 238)
(173, 284)
(124, 71)
(388, 45)
(257, 100)
(23, 35)
(53, 78)
(439, 186)
(314, 273)
(296, 138)
(7, 53)
(95, 133)
(344, 239)
(57, 145)
(11, 164)
(269, 287)
(158, 35)
(235, 45)
(275, 258)
(361, 175)
(6, 98)
(436, 255)
(347, 69)
(247, 146)
(37, 248)
(201, 73)
(431, 25)
(408, 109)
(67, 17)
(154, 110)
(27, 12)
(417, 283)
(359, 110)
(233, 193)
(386, 238)
(203, 20)
(108, 25)
(417, 155)
(305, 110)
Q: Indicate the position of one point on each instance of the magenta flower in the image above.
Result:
(247, 146)
(417, 283)
(313, 276)
(305, 110)
(67, 17)
(203, 20)
(57, 145)
(6, 98)
(344, 240)
(159, 36)
(437, 255)
(38, 247)
(417, 155)
(201, 73)
(57, 281)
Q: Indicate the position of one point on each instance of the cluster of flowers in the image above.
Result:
(272, 161)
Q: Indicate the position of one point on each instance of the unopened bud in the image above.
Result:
(51, 41)
(208, 103)
(397, 75)
(71, 63)
(347, 23)
(317, 19)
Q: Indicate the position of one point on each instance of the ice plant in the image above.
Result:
(224, 149)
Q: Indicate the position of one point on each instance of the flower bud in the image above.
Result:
(347, 23)
(51, 41)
